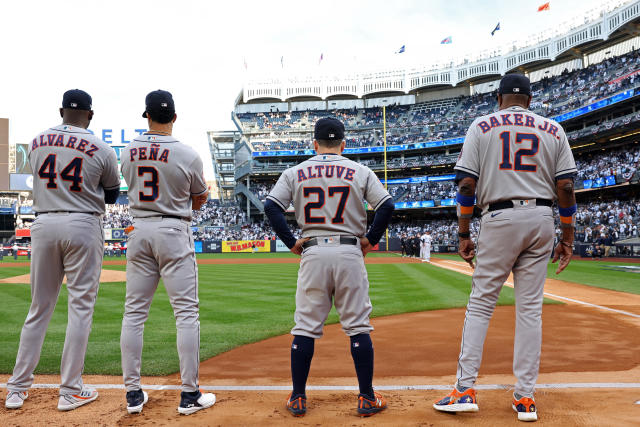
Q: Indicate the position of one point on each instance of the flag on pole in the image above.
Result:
(245, 63)
(321, 58)
(282, 62)
(447, 40)
(401, 50)
(495, 29)
(543, 7)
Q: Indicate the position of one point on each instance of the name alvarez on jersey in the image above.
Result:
(64, 141)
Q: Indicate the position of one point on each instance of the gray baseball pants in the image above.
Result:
(161, 248)
(331, 273)
(520, 240)
(61, 243)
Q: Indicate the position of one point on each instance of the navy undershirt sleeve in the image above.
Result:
(279, 223)
(380, 222)
(110, 196)
(462, 175)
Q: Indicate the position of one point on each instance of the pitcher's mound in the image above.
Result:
(106, 276)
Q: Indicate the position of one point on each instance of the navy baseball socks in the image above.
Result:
(369, 402)
(301, 355)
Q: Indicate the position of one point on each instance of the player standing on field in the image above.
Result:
(327, 192)
(74, 175)
(520, 163)
(166, 182)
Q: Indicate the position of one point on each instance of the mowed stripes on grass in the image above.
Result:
(239, 304)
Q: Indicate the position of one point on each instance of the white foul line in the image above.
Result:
(510, 284)
(159, 387)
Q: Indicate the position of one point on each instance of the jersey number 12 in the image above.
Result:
(517, 165)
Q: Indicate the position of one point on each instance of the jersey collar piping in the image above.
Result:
(70, 129)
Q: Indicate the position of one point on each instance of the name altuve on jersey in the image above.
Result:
(330, 171)
(58, 140)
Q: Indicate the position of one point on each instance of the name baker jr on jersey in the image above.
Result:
(140, 153)
(57, 140)
(517, 121)
(328, 170)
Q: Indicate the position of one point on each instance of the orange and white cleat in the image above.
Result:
(458, 401)
(525, 407)
(368, 406)
(297, 405)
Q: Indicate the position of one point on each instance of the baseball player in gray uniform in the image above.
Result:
(166, 181)
(327, 192)
(74, 174)
(520, 163)
(425, 252)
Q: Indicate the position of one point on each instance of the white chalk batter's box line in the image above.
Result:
(353, 388)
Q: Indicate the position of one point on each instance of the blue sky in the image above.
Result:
(120, 50)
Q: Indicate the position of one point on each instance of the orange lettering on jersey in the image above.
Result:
(142, 153)
(319, 169)
(153, 151)
(349, 175)
(301, 175)
(553, 130)
(494, 122)
(34, 144)
(164, 157)
(546, 124)
(484, 127)
(517, 119)
(132, 154)
(310, 172)
(339, 171)
(328, 171)
(50, 139)
(71, 143)
(81, 146)
(59, 142)
(505, 119)
(529, 122)
(90, 152)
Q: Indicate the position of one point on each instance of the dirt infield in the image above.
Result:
(106, 276)
(582, 343)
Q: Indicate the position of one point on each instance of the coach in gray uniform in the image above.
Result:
(520, 163)
(327, 192)
(166, 181)
(74, 174)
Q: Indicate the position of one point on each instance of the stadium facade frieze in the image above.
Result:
(602, 28)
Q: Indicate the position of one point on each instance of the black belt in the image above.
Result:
(344, 240)
(506, 204)
(65, 212)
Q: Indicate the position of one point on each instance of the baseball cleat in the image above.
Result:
(136, 400)
(525, 407)
(368, 406)
(297, 405)
(458, 401)
(67, 402)
(191, 402)
(15, 399)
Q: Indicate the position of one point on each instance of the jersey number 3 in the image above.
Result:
(319, 203)
(72, 173)
(506, 152)
(151, 183)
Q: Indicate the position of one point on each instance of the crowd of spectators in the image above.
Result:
(429, 190)
(615, 220)
(620, 162)
(442, 231)
(416, 123)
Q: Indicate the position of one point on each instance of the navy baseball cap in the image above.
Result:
(159, 104)
(515, 83)
(329, 129)
(76, 99)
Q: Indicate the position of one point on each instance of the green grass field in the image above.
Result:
(592, 273)
(239, 304)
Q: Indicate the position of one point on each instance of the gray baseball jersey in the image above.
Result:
(327, 192)
(516, 156)
(162, 175)
(71, 169)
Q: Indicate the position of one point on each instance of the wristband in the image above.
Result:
(568, 216)
(464, 235)
(567, 244)
(465, 205)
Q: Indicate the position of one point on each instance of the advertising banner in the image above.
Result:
(197, 245)
(246, 246)
(281, 247)
(211, 246)
(25, 232)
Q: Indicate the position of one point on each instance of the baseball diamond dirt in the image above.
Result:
(590, 364)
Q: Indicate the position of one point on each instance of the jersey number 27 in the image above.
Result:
(319, 203)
